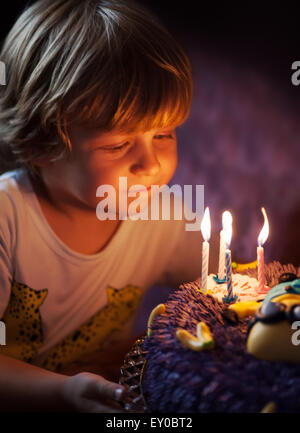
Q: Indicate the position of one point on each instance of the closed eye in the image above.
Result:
(127, 143)
(163, 136)
(117, 148)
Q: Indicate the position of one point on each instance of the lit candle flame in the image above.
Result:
(226, 219)
(205, 225)
(263, 236)
(227, 235)
(227, 227)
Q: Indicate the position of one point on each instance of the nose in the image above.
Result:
(147, 163)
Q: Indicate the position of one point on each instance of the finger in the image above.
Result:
(111, 390)
(104, 389)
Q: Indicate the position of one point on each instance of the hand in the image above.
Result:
(88, 392)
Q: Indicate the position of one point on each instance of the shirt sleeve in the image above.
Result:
(185, 261)
(7, 241)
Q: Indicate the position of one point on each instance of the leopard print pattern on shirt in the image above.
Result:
(92, 334)
(24, 332)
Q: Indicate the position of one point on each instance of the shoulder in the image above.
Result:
(11, 200)
(8, 192)
(10, 183)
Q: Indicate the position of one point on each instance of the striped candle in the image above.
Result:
(228, 273)
(206, 231)
(260, 268)
(205, 255)
(221, 273)
(263, 236)
(227, 227)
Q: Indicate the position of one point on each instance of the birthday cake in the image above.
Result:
(203, 355)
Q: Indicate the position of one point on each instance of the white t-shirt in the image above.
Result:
(140, 254)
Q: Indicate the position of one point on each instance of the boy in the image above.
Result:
(94, 92)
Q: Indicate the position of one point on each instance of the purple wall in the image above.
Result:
(242, 141)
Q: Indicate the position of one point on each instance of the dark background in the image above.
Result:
(242, 140)
(264, 32)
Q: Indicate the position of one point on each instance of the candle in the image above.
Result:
(260, 251)
(205, 256)
(227, 236)
(205, 230)
(226, 219)
(228, 272)
(221, 270)
(260, 268)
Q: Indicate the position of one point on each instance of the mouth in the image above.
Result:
(137, 188)
(141, 190)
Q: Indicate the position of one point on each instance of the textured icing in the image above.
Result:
(225, 379)
(245, 287)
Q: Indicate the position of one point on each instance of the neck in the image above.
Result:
(66, 206)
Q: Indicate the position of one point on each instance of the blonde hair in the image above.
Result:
(101, 63)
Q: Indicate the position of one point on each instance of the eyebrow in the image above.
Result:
(94, 138)
(118, 139)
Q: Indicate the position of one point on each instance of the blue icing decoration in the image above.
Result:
(229, 300)
(280, 289)
(296, 284)
(219, 280)
(294, 287)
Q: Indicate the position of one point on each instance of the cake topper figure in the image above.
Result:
(270, 334)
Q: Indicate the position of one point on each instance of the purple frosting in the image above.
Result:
(224, 379)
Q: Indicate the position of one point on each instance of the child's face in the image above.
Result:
(97, 158)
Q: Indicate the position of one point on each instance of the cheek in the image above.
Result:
(95, 172)
(169, 162)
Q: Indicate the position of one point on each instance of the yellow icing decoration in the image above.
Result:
(159, 309)
(244, 309)
(269, 407)
(243, 266)
(204, 339)
(204, 334)
(289, 299)
(208, 292)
